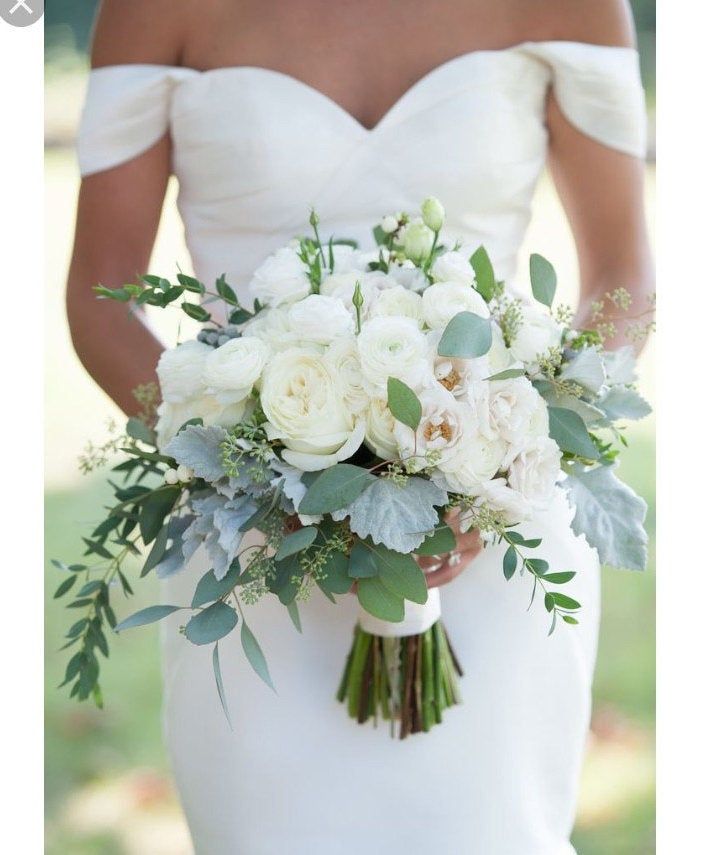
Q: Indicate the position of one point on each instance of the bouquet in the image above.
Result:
(322, 437)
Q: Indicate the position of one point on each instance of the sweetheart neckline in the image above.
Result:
(192, 73)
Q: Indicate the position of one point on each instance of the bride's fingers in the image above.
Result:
(450, 570)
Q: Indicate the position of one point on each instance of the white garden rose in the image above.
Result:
(443, 425)
(537, 333)
(442, 301)
(281, 278)
(273, 327)
(305, 410)
(505, 409)
(342, 358)
(502, 498)
(475, 461)
(379, 435)
(172, 416)
(392, 347)
(320, 319)
(180, 371)
(453, 267)
(232, 370)
(534, 471)
(397, 302)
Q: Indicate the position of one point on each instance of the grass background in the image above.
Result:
(107, 784)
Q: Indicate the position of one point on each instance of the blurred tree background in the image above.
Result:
(107, 782)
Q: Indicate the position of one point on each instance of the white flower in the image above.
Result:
(416, 240)
(345, 257)
(180, 371)
(505, 409)
(499, 357)
(408, 275)
(397, 302)
(433, 213)
(281, 278)
(453, 267)
(233, 369)
(273, 327)
(341, 286)
(305, 409)
(537, 333)
(442, 301)
(442, 426)
(172, 416)
(379, 435)
(320, 319)
(342, 359)
(507, 501)
(389, 224)
(475, 461)
(392, 347)
(535, 470)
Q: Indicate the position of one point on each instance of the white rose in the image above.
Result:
(475, 461)
(443, 424)
(397, 302)
(442, 301)
(180, 371)
(502, 498)
(534, 471)
(537, 333)
(273, 327)
(305, 410)
(233, 369)
(379, 435)
(505, 409)
(281, 278)
(392, 347)
(453, 267)
(320, 319)
(172, 416)
(342, 358)
(341, 286)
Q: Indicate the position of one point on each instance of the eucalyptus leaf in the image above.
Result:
(146, 616)
(254, 655)
(609, 514)
(543, 279)
(155, 509)
(335, 488)
(335, 577)
(211, 624)
(137, 429)
(508, 374)
(218, 682)
(296, 541)
(466, 336)
(404, 405)
(484, 278)
(509, 563)
(294, 613)
(439, 542)
(568, 430)
(379, 601)
(209, 588)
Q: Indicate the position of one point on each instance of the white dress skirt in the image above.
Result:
(253, 149)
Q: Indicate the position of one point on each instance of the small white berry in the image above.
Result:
(389, 224)
(171, 476)
(184, 473)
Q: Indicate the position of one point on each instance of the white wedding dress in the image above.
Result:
(253, 149)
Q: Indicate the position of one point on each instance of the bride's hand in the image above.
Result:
(442, 569)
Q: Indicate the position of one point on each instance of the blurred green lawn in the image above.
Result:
(108, 792)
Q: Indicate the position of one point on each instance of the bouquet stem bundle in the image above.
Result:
(410, 680)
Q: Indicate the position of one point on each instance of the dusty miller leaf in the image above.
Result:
(199, 448)
(586, 369)
(621, 402)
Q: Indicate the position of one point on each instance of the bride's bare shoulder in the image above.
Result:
(135, 31)
(601, 22)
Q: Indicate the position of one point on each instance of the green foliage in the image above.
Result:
(543, 279)
(484, 279)
(404, 405)
(211, 624)
(254, 655)
(568, 430)
(466, 336)
(335, 488)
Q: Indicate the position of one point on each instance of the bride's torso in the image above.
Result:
(254, 148)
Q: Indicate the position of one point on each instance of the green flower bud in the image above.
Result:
(417, 241)
(433, 213)
(357, 298)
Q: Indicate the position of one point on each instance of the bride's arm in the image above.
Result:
(117, 217)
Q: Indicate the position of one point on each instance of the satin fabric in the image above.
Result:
(253, 149)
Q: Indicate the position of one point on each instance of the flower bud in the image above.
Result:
(184, 473)
(171, 477)
(433, 213)
(417, 241)
(357, 298)
(389, 224)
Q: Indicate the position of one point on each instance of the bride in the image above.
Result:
(263, 109)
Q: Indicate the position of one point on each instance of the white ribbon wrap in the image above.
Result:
(417, 619)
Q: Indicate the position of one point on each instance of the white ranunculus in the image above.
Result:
(380, 436)
(273, 327)
(408, 275)
(537, 333)
(416, 240)
(535, 470)
(501, 497)
(342, 358)
(345, 257)
(320, 319)
(341, 286)
(505, 409)
(397, 302)
(281, 278)
(475, 461)
(232, 370)
(442, 301)
(453, 267)
(392, 347)
(180, 371)
(305, 410)
(443, 424)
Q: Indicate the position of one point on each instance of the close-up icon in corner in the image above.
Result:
(21, 13)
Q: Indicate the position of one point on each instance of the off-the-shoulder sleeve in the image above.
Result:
(599, 90)
(126, 111)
